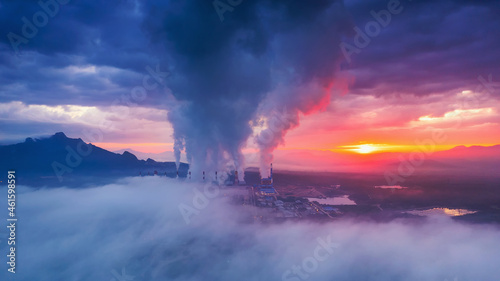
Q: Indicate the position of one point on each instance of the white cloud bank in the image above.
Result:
(134, 228)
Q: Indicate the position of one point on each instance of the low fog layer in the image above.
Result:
(134, 228)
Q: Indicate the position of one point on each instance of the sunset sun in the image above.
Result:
(365, 148)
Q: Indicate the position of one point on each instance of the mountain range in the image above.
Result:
(165, 156)
(62, 160)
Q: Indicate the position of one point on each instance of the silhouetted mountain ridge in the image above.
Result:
(60, 157)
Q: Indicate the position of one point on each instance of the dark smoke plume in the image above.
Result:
(266, 56)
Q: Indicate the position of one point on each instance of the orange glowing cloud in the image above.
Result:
(399, 123)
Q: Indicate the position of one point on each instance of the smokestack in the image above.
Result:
(271, 173)
(215, 175)
(189, 174)
(177, 173)
(203, 175)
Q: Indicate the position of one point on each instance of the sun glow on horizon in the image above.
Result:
(365, 148)
(372, 148)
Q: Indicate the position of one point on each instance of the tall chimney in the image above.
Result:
(203, 175)
(271, 173)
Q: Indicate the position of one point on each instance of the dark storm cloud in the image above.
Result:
(430, 47)
(81, 33)
(78, 27)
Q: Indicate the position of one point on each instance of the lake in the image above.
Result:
(441, 212)
(341, 200)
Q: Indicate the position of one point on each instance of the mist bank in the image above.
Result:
(136, 227)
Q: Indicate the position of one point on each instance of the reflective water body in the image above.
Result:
(341, 200)
(442, 212)
(390, 187)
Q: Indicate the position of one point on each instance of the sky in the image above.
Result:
(354, 77)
